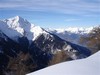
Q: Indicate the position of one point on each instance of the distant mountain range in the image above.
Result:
(18, 35)
(71, 34)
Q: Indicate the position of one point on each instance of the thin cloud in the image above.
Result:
(61, 6)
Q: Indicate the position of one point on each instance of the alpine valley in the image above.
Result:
(25, 47)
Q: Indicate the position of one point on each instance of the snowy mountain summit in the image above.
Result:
(17, 26)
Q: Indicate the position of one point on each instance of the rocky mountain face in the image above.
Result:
(10, 50)
(32, 47)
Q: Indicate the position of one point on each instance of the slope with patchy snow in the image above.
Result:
(88, 66)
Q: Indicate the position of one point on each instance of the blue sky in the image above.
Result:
(54, 13)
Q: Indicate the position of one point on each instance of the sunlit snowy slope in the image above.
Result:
(88, 66)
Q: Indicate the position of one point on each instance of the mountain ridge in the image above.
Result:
(18, 38)
(18, 27)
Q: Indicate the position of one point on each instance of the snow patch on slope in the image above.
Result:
(36, 30)
(88, 66)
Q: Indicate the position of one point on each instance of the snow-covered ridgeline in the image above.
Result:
(76, 30)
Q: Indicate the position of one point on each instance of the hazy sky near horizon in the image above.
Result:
(54, 13)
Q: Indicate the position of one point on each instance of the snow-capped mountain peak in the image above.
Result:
(17, 21)
(16, 18)
(17, 26)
